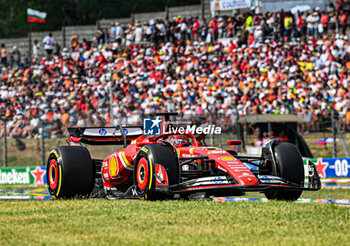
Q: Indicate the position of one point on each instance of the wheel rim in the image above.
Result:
(53, 174)
(142, 174)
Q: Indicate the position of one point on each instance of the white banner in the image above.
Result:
(221, 5)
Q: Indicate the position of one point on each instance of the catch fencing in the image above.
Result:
(33, 150)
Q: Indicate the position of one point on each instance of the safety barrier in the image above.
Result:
(331, 167)
(36, 175)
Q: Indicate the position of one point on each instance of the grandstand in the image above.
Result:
(229, 66)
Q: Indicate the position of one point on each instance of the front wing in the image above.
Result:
(226, 183)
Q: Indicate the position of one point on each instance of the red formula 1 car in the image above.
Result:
(173, 165)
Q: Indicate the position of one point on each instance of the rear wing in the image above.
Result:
(104, 135)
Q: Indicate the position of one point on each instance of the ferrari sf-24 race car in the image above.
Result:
(173, 165)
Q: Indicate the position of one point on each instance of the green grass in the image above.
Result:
(134, 222)
(22, 161)
(327, 194)
(123, 222)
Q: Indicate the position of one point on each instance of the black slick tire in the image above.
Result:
(70, 172)
(144, 170)
(290, 167)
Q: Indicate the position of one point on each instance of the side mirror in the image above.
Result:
(234, 142)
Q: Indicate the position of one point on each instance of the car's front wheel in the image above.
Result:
(144, 172)
(289, 165)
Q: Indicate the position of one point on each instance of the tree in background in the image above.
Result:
(13, 14)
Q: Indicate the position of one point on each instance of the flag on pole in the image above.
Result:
(36, 16)
(325, 141)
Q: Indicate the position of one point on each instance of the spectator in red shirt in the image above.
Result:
(324, 21)
(300, 24)
(343, 21)
(195, 30)
(213, 30)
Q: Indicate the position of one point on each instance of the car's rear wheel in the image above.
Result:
(290, 167)
(70, 172)
(144, 172)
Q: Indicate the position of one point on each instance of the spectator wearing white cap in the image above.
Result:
(118, 33)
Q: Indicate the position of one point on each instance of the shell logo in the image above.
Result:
(113, 166)
(227, 158)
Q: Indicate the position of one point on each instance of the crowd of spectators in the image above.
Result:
(276, 63)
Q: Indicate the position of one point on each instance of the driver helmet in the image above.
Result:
(179, 140)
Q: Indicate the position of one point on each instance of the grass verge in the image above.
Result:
(133, 222)
(122, 222)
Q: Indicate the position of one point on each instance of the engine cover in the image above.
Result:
(116, 168)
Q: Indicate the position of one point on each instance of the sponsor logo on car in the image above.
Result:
(102, 132)
(161, 176)
(113, 166)
(211, 181)
(188, 155)
(226, 158)
(237, 167)
(218, 180)
(216, 152)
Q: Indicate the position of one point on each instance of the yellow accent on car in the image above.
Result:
(144, 149)
(113, 167)
(54, 152)
(150, 172)
(126, 160)
(227, 158)
(59, 181)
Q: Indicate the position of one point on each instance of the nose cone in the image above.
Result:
(238, 170)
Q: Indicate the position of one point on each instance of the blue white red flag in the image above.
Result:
(325, 141)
